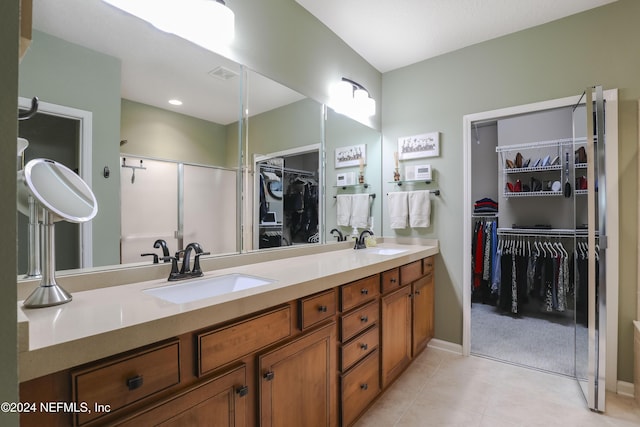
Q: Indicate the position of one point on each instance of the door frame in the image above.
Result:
(611, 129)
(85, 122)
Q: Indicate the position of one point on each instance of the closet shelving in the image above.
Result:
(543, 164)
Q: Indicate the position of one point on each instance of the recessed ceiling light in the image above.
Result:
(175, 102)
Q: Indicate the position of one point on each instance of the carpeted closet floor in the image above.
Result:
(535, 340)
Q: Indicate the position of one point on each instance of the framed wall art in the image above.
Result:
(354, 155)
(418, 146)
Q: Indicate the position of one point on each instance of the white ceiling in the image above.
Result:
(391, 34)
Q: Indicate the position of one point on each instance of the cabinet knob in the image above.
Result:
(393, 280)
(134, 382)
(268, 375)
(364, 386)
(417, 292)
(364, 319)
(364, 346)
(242, 391)
(410, 296)
(322, 308)
(364, 291)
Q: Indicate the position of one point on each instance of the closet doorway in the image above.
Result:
(288, 199)
(529, 166)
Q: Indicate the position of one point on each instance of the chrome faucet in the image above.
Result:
(360, 244)
(185, 271)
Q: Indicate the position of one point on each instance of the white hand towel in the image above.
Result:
(343, 207)
(419, 209)
(360, 210)
(398, 209)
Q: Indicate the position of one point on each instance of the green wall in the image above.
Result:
(294, 125)
(8, 217)
(61, 73)
(163, 134)
(551, 61)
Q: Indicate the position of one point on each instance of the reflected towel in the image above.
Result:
(343, 207)
(398, 209)
(419, 209)
(360, 210)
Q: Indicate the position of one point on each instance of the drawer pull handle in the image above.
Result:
(410, 296)
(242, 391)
(322, 309)
(417, 292)
(364, 291)
(364, 346)
(364, 319)
(134, 382)
(364, 386)
(268, 375)
(393, 280)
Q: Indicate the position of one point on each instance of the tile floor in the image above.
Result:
(445, 389)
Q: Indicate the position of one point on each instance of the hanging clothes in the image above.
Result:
(483, 255)
(541, 274)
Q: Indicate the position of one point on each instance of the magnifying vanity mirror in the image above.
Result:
(51, 192)
(153, 166)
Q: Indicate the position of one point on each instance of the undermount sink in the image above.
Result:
(197, 289)
(385, 251)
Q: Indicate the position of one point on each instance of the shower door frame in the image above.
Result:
(611, 97)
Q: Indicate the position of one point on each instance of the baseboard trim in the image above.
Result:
(445, 345)
(625, 389)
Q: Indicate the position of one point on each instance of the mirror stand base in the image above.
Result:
(47, 296)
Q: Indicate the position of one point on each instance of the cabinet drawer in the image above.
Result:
(359, 347)
(359, 320)
(390, 280)
(359, 387)
(218, 401)
(121, 382)
(316, 308)
(219, 347)
(410, 272)
(427, 265)
(359, 292)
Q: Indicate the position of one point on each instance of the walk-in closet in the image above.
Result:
(537, 240)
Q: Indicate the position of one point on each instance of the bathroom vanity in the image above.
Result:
(319, 343)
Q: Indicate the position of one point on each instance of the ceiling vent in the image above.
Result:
(222, 73)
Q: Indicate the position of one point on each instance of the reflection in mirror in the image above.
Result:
(283, 156)
(124, 80)
(288, 198)
(344, 134)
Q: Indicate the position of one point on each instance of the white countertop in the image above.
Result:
(106, 321)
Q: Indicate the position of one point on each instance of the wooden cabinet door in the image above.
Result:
(422, 312)
(298, 381)
(396, 333)
(217, 402)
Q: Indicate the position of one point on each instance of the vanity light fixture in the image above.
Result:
(207, 23)
(351, 98)
(175, 102)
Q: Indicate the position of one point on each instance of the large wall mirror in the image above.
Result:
(105, 79)
(348, 141)
(159, 171)
(283, 159)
